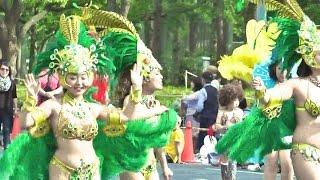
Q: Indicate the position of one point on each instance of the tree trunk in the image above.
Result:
(3, 37)
(220, 26)
(176, 56)
(156, 36)
(147, 32)
(11, 52)
(249, 12)
(228, 32)
(19, 63)
(213, 42)
(193, 29)
(125, 6)
(32, 47)
(112, 6)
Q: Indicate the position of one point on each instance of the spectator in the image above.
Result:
(49, 86)
(207, 106)
(191, 102)
(176, 143)
(228, 115)
(8, 101)
(216, 80)
(196, 84)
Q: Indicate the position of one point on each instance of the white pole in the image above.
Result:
(186, 79)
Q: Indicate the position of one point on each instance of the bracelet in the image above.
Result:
(114, 125)
(260, 93)
(135, 95)
(29, 104)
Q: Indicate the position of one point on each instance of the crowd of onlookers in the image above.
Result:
(212, 108)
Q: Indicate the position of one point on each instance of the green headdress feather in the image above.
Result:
(125, 47)
(74, 33)
(287, 42)
(120, 35)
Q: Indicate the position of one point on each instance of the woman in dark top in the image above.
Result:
(8, 101)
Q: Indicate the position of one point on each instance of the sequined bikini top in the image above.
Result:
(76, 121)
(311, 107)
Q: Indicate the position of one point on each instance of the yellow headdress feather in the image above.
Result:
(260, 41)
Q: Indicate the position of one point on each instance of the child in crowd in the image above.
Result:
(228, 115)
(176, 144)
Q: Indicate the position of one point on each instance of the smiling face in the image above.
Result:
(4, 71)
(77, 84)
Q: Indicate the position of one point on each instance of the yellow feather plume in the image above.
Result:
(70, 27)
(260, 42)
(282, 10)
(296, 8)
(261, 37)
(231, 68)
(106, 31)
(106, 20)
(253, 29)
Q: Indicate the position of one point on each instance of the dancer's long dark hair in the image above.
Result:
(123, 88)
(304, 70)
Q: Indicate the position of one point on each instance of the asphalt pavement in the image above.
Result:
(197, 171)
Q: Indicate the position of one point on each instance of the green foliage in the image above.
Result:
(171, 95)
(140, 10)
(234, 17)
(312, 9)
(21, 93)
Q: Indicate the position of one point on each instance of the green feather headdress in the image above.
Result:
(120, 35)
(74, 50)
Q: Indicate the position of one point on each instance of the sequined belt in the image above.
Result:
(147, 171)
(309, 152)
(83, 172)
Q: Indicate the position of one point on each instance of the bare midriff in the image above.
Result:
(307, 130)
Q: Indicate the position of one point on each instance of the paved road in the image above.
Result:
(208, 172)
(205, 172)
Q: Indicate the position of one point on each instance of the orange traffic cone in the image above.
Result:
(16, 127)
(187, 153)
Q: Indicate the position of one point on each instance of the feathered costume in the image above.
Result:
(265, 129)
(116, 49)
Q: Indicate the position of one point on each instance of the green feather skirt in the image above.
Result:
(257, 135)
(28, 158)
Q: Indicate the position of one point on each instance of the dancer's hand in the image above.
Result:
(32, 85)
(136, 77)
(257, 84)
(50, 95)
(167, 173)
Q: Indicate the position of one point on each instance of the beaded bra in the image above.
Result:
(75, 121)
